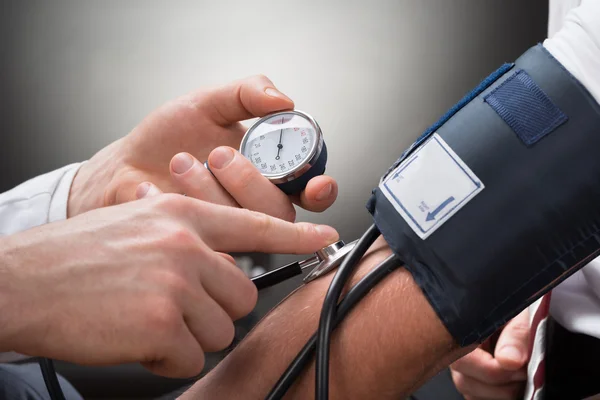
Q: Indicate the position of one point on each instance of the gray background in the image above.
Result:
(76, 75)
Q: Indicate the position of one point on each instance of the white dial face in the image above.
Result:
(280, 144)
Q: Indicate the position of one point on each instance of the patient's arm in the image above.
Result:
(388, 345)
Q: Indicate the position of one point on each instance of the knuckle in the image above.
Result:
(520, 330)
(171, 202)
(289, 215)
(244, 177)
(227, 257)
(493, 375)
(222, 335)
(197, 366)
(200, 360)
(243, 294)
(163, 316)
(453, 370)
(304, 232)
(181, 236)
(458, 365)
(189, 365)
(174, 238)
(201, 178)
(306, 229)
(247, 298)
(459, 382)
(264, 224)
(174, 280)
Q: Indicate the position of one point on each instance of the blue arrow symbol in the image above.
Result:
(432, 214)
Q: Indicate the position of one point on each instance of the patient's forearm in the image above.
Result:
(387, 346)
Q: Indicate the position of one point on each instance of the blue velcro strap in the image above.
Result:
(525, 108)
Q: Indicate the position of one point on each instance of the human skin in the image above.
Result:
(161, 147)
(496, 372)
(159, 287)
(146, 281)
(389, 345)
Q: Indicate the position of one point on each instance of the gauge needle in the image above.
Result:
(279, 145)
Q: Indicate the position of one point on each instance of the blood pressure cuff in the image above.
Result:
(499, 201)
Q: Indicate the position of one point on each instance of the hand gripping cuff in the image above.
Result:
(499, 201)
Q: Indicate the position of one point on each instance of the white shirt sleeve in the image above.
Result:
(574, 40)
(38, 201)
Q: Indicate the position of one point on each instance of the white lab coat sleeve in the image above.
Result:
(38, 201)
(574, 40)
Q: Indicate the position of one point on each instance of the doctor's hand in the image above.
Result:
(196, 124)
(138, 282)
(481, 375)
(234, 181)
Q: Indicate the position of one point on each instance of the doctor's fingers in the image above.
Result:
(244, 182)
(320, 193)
(200, 319)
(253, 191)
(196, 181)
(148, 189)
(229, 229)
(232, 181)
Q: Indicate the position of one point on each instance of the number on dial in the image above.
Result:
(274, 151)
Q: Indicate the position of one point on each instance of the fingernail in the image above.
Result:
(221, 157)
(327, 232)
(512, 353)
(182, 163)
(272, 92)
(146, 189)
(324, 193)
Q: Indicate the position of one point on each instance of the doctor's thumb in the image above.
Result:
(512, 348)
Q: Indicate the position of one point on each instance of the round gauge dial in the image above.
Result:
(281, 143)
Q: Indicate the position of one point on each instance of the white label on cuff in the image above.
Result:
(430, 186)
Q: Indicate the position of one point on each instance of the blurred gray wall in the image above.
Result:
(76, 75)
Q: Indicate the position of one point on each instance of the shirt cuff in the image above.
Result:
(60, 197)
